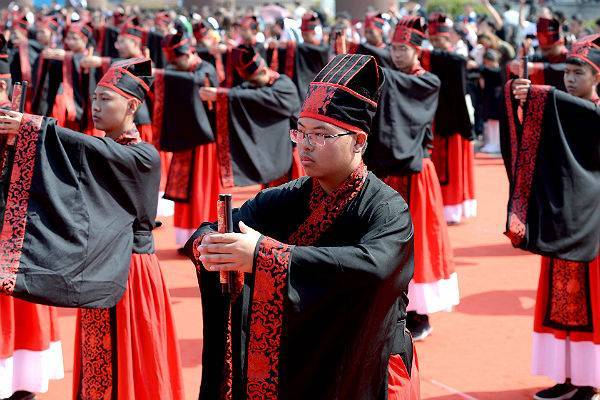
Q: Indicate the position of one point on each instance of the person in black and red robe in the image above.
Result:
(547, 66)
(398, 153)
(318, 302)
(76, 231)
(376, 31)
(30, 347)
(453, 154)
(253, 122)
(301, 62)
(552, 158)
(193, 181)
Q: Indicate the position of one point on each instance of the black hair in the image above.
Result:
(580, 63)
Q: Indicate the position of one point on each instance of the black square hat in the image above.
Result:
(410, 30)
(247, 61)
(177, 44)
(587, 49)
(345, 93)
(133, 28)
(130, 78)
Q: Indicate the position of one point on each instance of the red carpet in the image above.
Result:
(479, 351)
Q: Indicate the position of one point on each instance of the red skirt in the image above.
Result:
(458, 178)
(130, 351)
(401, 385)
(30, 349)
(566, 337)
(434, 286)
(206, 186)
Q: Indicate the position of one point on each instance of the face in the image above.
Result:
(127, 47)
(373, 36)
(260, 78)
(580, 80)
(404, 56)
(440, 42)
(309, 36)
(247, 34)
(336, 155)
(110, 109)
(75, 42)
(44, 36)
(182, 63)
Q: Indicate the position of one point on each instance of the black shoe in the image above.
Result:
(420, 327)
(22, 395)
(560, 391)
(585, 393)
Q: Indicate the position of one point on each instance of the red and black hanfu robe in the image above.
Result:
(184, 125)
(453, 154)
(398, 152)
(77, 232)
(324, 311)
(553, 164)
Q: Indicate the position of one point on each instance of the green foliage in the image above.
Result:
(454, 7)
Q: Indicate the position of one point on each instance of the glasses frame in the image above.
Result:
(305, 137)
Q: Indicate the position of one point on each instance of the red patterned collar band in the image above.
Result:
(129, 137)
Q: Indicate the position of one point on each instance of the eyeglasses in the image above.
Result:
(314, 139)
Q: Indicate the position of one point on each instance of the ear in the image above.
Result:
(3, 85)
(361, 142)
(132, 106)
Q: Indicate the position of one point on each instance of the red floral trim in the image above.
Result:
(15, 214)
(569, 304)
(229, 67)
(180, 175)
(526, 160)
(129, 137)
(275, 59)
(223, 149)
(266, 319)
(220, 68)
(159, 98)
(325, 208)
(290, 59)
(96, 354)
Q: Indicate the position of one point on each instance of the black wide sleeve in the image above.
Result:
(79, 196)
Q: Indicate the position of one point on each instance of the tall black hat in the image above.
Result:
(130, 78)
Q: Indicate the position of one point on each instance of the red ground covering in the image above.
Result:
(479, 351)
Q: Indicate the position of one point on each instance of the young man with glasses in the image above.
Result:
(321, 266)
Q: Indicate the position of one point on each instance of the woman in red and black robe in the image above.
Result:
(398, 152)
(77, 232)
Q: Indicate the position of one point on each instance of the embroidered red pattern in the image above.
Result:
(129, 137)
(290, 59)
(326, 208)
(180, 174)
(514, 145)
(266, 319)
(525, 164)
(569, 301)
(15, 214)
(159, 107)
(223, 149)
(318, 99)
(96, 354)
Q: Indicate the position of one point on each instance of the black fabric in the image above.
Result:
(186, 120)
(35, 48)
(345, 301)
(92, 203)
(563, 214)
(110, 38)
(491, 98)
(309, 60)
(382, 55)
(452, 114)
(259, 124)
(154, 45)
(50, 84)
(553, 72)
(402, 126)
